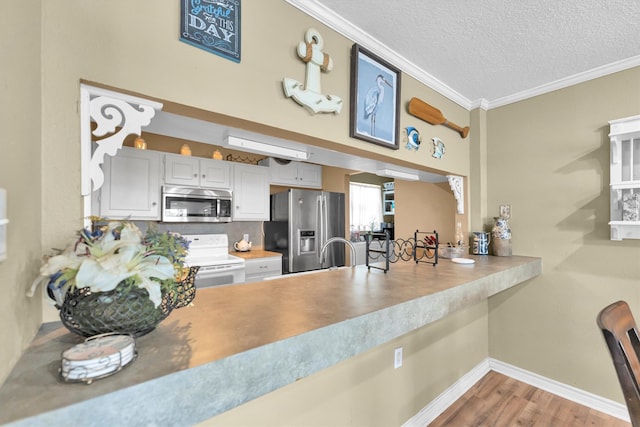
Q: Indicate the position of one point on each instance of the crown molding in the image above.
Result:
(594, 73)
(479, 103)
(348, 30)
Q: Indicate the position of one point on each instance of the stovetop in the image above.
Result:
(209, 249)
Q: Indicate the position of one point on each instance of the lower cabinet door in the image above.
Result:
(259, 268)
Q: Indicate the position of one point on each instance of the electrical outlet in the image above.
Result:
(397, 359)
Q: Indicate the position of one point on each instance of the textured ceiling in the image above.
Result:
(491, 52)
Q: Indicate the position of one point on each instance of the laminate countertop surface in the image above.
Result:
(238, 342)
(255, 253)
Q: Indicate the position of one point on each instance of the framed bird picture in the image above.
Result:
(375, 99)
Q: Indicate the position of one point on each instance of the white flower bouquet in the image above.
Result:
(117, 256)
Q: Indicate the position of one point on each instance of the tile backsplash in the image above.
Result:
(235, 230)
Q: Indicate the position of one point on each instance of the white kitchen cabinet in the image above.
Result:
(131, 188)
(309, 175)
(215, 174)
(196, 171)
(260, 268)
(624, 136)
(298, 174)
(250, 193)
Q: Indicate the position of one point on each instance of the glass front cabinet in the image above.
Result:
(624, 136)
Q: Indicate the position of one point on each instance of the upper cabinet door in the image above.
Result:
(215, 174)
(250, 193)
(310, 175)
(283, 174)
(296, 174)
(197, 172)
(131, 189)
(181, 170)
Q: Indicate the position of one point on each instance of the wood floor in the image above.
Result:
(499, 401)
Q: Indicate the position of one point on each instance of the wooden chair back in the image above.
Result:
(621, 335)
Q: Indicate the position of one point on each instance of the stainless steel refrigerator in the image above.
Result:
(301, 222)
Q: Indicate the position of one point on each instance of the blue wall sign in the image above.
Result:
(212, 25)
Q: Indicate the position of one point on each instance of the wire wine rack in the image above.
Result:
(422, 247)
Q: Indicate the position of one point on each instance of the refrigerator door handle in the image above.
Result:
(320, 225)
(325, 218)
(324, 221)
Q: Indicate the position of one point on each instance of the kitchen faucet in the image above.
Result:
(338, 239)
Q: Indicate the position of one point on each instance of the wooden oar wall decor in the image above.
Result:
(432, 115)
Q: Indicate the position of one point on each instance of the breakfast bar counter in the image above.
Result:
(239, 342)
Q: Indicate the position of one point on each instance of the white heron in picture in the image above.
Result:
(374, 98)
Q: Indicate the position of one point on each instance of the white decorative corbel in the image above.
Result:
(116, 115)
(110, 113)
(456, 184)
(310, 94)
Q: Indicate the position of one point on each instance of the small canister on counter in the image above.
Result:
(480, 243)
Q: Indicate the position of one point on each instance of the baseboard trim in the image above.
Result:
(438, 405)
(566, 391)
(460, 387)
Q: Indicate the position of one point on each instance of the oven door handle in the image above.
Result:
(210, 269)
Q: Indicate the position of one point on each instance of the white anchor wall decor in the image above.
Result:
(310, 94)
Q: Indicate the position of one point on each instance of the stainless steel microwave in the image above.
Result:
(189, 204)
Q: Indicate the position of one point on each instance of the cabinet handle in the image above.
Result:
(154, 203)
(204, 176)
(195, 175)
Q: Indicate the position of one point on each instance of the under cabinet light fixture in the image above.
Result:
(264, 148)
(397, 174)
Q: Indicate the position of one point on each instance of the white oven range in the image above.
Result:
(211, 253)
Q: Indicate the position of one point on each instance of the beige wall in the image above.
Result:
(549, 158)
(150, 60)
(476, 185)
(365, 390)
(425, 207)
(20, 175)
(134, 47)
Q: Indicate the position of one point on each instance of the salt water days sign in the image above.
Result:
(212, 25)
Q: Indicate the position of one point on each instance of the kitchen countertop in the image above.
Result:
(237, 343)
(254, 253)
